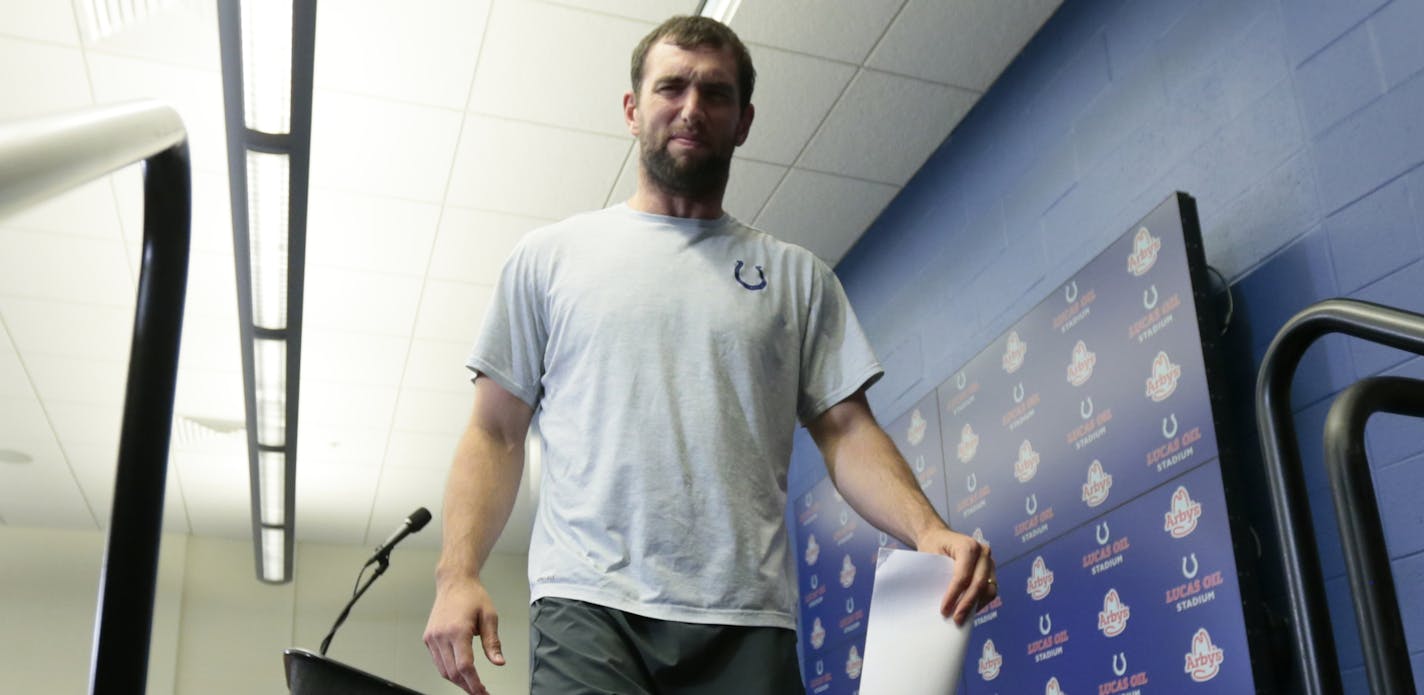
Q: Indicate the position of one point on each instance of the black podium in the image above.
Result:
(309, 673)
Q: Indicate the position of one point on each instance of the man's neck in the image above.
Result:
(651, 199)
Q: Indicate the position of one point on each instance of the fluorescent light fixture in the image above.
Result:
(272, 467)
(267, 65)
(270, 365)
(268, 190)
(720, 10)
(274, 554)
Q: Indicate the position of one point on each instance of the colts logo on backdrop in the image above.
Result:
(1027, 465)
(737, 274)
(1144, 252)
(1204, 660)
(1014, 352)
(1052, 687)
(968, 444)
(1112, 619)
(1040, 580)
(916, 433)
(1095, 491)
(1163, 381)
(1182, 517)
(1080, 364)
(989, 661)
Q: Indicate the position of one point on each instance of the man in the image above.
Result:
(670, 350)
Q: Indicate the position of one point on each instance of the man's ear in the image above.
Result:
(630, 112)
(744, 128)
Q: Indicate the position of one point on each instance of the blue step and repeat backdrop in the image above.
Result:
(1081, 447)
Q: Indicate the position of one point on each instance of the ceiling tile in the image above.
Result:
(362, 301)
(217, 492)
(86, 211)
(195, 93)
(42, 493)
(207, 393)
(335, 444)
(473, 244)
(627, 182)
(43, 21)
(389, 49)
(346, 404)
(210, 344)
(362, 358)
(39, 79)
(86, 423)
(749, 186)
(989, 36)
(368, 232)
(402, 491)
(650, 11)
(421, 450)
(845, 31)
(793, 95)
(523, 79)
(77, 380)
(507, 166)
(438, 365)
(72, 269)
(96, 467)
(885, 127)
(334, 502)
(823, 213)
(61, 328)
(24, 427)
(183, 33)
(212, 286)
(438, 412)
(452, 311)
(14, 381)
(383, 147)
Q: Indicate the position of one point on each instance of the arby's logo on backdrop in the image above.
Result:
(1181, 518)
(1099, 484)
(1040, 580)
(1165, 375)
(1204, 660)
(1014, 351)
(968, 444)
(990, 661)
(1144, 252)
(1080, 364)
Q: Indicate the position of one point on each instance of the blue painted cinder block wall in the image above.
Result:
(1298, 125)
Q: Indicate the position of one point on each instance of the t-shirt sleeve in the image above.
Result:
(836, 357)
(510, 345)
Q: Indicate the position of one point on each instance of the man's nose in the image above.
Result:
(692, 107)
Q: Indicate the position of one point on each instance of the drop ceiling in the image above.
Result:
(443, 131)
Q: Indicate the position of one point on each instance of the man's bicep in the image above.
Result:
(499, 412)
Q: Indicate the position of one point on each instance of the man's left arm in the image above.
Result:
(871, 474)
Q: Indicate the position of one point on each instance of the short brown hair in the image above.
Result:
(692, 32)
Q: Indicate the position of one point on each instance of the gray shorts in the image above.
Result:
(578, 648)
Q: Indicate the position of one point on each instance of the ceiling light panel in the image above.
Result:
(885, 127)
(369, 232)
(846, 34)
(837, 209)
(506, 166)
(382, 147)
(548, 87)
(63, 84)
(792, 93)
(384, 48)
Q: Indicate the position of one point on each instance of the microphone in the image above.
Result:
(416, 521)
(412, 524)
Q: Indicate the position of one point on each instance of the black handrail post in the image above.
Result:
(1314, 645)
(1361, 533)
(130, 570)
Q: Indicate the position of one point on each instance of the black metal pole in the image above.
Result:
(1361, 533)
(130, 569)
(1311, 639)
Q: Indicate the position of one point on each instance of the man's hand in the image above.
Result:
(974, 584)
(462, 610)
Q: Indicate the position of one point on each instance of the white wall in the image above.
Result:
(218, 630)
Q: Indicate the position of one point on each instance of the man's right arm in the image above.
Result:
(484, 479)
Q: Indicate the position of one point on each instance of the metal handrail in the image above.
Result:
(1314, 646)
(1361, 533)
(39, 159)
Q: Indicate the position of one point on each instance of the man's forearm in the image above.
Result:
(871, 474)
(480, 493)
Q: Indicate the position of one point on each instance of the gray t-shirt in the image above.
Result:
(669, 360)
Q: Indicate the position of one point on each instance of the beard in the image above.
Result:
(693, 177)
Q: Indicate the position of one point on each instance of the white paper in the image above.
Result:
(909, 646)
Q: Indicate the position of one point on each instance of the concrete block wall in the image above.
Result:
(1298, 125)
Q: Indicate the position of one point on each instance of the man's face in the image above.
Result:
(687, 117)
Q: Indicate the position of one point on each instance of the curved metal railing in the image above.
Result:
(39, 159)
(1311, 639)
